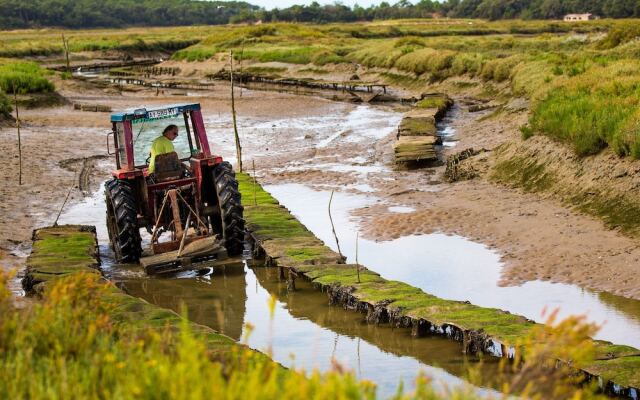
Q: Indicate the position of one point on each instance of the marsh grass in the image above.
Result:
(541, 60)
(595, 110)
(24, 77)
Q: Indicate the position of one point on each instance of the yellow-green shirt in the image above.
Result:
(161, 145)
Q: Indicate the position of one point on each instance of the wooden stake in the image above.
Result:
(65, 45)
(333, 228)
(235, 125)
(357, 263)
(15, 104)
(255, 183)
(241, 57)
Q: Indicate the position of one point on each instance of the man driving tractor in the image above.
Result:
(191, 196)
(163, 145)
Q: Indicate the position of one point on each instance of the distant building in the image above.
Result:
(580, 17)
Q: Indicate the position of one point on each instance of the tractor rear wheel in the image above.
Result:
(230, 207)
(122, 221)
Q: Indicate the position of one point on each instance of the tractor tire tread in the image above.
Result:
(127, 239)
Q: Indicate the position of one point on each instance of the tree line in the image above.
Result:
(119, 13)
(486, 9)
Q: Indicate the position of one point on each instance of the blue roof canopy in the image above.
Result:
(154, 112)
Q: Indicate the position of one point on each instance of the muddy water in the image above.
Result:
(305, 331)
(456, 268)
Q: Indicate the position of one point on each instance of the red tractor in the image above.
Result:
(191, 198)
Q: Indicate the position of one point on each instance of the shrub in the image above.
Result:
(24, 77)
(327, 57)
(409, 41)
(499, 70)
(426, 60)
(466, 63)
(620, 34)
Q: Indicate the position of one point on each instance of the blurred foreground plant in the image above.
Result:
(69, 345)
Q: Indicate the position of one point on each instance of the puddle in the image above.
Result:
(447, 132)
(454, 267)
(306, 332)
(401, 209)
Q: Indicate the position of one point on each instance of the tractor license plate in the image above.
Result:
(168, 112)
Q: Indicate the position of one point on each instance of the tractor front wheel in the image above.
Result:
(122, 221)
(230, 207)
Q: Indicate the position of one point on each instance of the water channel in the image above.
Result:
(305, 331)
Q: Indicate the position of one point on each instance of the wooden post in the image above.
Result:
(241, 57)
(233, 114)
(65, 45)
(333, 228)
(357, 263)
(15, 104)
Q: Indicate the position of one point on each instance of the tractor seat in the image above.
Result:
(168, 167)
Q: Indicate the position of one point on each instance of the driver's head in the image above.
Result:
(170, 132)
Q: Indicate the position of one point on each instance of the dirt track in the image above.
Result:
(537, 238)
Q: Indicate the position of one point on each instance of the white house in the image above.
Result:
(580, 17)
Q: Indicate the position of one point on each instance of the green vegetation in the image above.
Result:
(23, 77)
(48, 42)
(594, 110)
(618, 211)
(79, 342)
(525, 172)
(583, 87)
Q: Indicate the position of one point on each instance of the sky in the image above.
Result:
(269, 4)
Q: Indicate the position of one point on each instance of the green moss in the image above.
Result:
(433, 102)
(623, 371)
(621, 211)
(417, 127)
(523, 172)
(306, 253)
(606, 350)
(60, 251)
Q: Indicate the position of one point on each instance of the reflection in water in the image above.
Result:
(309, 303)
(305, 331)
(216, 300)
(453, 267)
